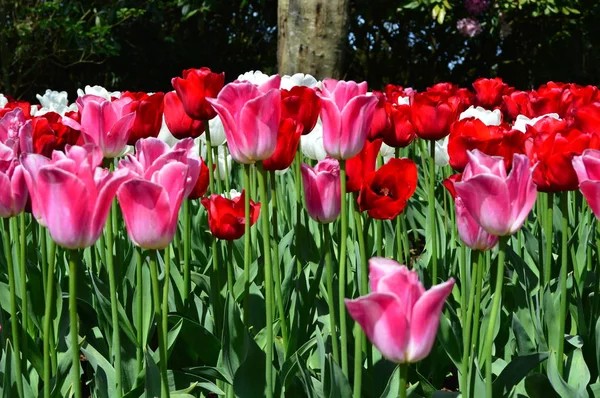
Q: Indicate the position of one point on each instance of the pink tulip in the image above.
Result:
(587, 167)
(13, 188)
(322, 190)
(150, 202)
(251, 120)
(104, 123)
(347, 113)
(398, 316)
(470, 232)
(70, 194)
(10, 127)
(497, 202)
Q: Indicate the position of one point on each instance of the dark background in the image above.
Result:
(140, 45)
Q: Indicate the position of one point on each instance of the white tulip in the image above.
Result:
(217, 132)
(98, 91)
(254, 77)
(441, 152)
(223, 162)
(522, 122)
(403, 100)
(165, 134)
(387, 152)
(299, 79)
(54, 101)
(489, 118)
(234, 194)
(311, 144)
(3, 101)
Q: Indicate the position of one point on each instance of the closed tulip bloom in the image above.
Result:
(311, 144)
(489, 92)
(70, 194)
(148, 115)
(385, 192)
(399, 316)
(104, 123)
(150, 202)
(322, 190)
(13, 188)
(10, 126)
(302, 104)
(362, 165)
(179, 124)
(202, 183)
(287, 146)
(196, 86)
(227, 218)
(347, 114)
(497, 202)
(587, 167)
(432, 113)
(251, 120)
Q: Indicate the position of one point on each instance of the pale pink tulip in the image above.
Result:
(10, 127)
(587, 167)
(250, 119)
(347, 113)
(13, 188)
(497, 202)
(399, 316)
(322, 190)
(150, 202)
(104, 123)
(70, 194)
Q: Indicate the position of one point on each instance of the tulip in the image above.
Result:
(497, 202)
(217, 133)
(489, 92)
(10, 126)
(322, 190)
(47, 133)
(385, 192)
(302, 104)
(222, 162)
(3, 101)
(299, 79)
(226, 217)
(402, 132)
(521, 122)
(11, 105)
(264, 82)
(361, 165)
(251, 120)
(148, 115)
(587, 167)
(489, 118)
(70, 194)
(287, 146)
(162, 179)
(201, 184)
(13, 188)
(98, 91)
(399, 316)
(347, 114)
(179, 124)
(196, 86)
(104, 123)
(381, 119)
(432, 114)
(517, 103)
(311, 144)
(54, 101)
(587, 118)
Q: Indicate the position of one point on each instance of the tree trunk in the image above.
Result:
(311, 37)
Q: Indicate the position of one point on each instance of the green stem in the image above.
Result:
(230, 276)
(44, 254)
(264, 216)
(75, 374)
(379, 237)
(276, 265)
(51, 265)
(406, 243)
(563, 280)
(298, 182)
(215, 281)
(330, 296)
(217, 170)
(14, 321)
(209, 157)
(342, 271)
(360, 339)
(23, 280)
(476, 313)
(46, 341)
(489, 338)
(162, 342)
(139, 282)
(548, 236)
(114, 309)
(403, 380)
(227, 174)
(467, 327)
(247, 253)
(432, 217)
(187, 251)
(165, 296)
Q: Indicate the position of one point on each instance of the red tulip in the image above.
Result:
(288, 139)
(358, 167)
(194, 88)
(47, 134)
(11, 105)
(393, 93)
(517, 103)
(148, 115)
(226, 217)
(381, 117)
(432, 114)
(402, 132)
(178, 122)
(550, 98)
(385, 192)
(301, 104)
(489, 92)
(587, 118)
(202, 183)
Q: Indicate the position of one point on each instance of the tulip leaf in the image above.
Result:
(563, 388)
(152, 379)
(335, 384)
(537, 385)
(104, 373)
(515, 371)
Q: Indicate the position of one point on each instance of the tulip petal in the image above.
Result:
(108, 189)
(32, 163)
(356, 119)
(332, 125)
(384, 323)
(259, 124)
(522, 192)
(380, 267)
(591, 192)
(116, 140)
(425, 320)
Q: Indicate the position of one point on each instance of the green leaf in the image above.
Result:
(537, 385)
(335, 384)
(515, 371)
(104, 373)
(558, 383)
(153, 379)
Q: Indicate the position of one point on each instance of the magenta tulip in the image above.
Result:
(104, 123)
(322, 190)
(70, 194)
(470, 232)
(150, 201)
(587, 167)
(347, 114)
(13, 188)
(251, 120)
(497, 202)
(399, 316)
(10, 127)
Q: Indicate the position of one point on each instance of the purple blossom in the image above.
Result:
(477, 7)
(468, 27)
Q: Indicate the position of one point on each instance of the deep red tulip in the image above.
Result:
(178, 122)
(226, 217)
(393, 93)
(195, 87)
(587, 118)
(381, 117)
(148, 115)
(358, 167)
(202, 183)
(489, 92)
(288, 138)
(402, 132)
(47, 133)
(517, 103)
(432, 114)
(385, 192)
(550, 98)
(301, 104)
(11, 105)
